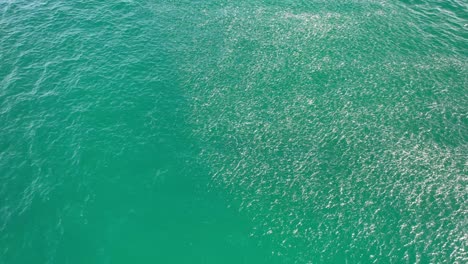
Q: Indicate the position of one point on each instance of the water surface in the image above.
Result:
(156, 131)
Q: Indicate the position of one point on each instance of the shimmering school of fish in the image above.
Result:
(157, 131)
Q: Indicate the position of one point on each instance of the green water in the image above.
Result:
(158, 131)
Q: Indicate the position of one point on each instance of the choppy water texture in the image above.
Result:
(157, 131)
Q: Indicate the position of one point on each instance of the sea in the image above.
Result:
(230, 132)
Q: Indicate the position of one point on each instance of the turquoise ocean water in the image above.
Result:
(161, 131)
